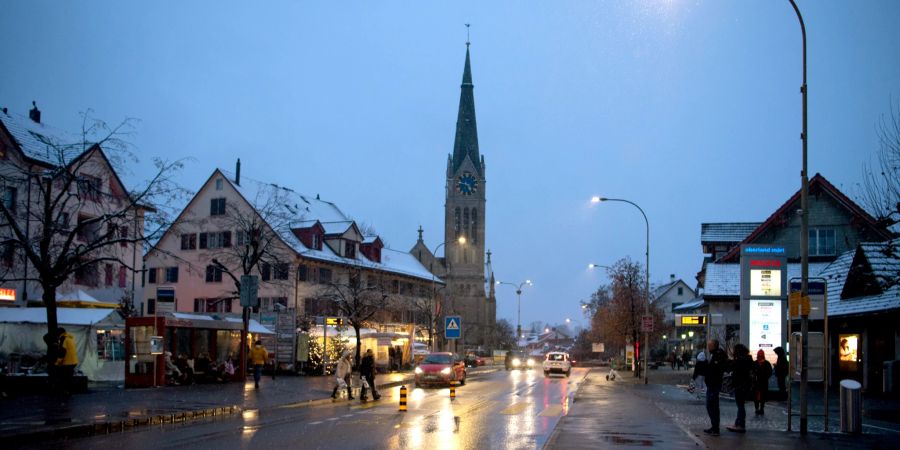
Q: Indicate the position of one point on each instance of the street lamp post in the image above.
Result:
(431, 327)
(804, 241)
(597, 199)
(519, 301)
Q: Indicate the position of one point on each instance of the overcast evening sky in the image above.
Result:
(690, 109)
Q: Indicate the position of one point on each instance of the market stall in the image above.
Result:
(98, 335)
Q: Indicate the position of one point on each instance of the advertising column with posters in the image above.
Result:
(763, 298)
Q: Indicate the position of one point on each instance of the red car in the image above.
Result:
(440, 368)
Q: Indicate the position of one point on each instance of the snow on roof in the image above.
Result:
(296, 209)
(726, 231)
(253, 327)
(724, 279)
(885, 266)
(64, 316)
(44, 143)
(186, 316)
(369, 239)
(693, 304)
(884, 260)
(339, 227)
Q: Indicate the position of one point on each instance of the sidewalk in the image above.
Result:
(665, 414)
(109, 408)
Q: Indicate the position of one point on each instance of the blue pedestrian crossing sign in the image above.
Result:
(452, 327)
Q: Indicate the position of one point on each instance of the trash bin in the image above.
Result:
(851, 407)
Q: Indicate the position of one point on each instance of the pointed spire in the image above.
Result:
(466, 142)
(420, 233)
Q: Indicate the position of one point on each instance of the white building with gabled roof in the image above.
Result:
(314, 242)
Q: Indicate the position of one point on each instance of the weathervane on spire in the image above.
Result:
(467, 34)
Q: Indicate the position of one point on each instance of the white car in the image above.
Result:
(557, 362)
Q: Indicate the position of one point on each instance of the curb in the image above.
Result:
(117, 426)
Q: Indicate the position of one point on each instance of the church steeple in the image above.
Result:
(466, 142)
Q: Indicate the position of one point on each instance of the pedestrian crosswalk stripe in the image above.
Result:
(515, 408)
(552, 410)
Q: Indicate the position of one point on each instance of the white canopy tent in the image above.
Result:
(22, 331)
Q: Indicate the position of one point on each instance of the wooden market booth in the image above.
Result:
(184, 335)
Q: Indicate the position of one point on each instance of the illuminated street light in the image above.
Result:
(598, 199)
(519, 301)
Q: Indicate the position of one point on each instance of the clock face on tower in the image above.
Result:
(467, 184)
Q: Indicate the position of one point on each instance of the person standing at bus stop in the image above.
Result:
(258, 357)
(715, 368)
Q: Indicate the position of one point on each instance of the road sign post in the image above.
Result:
(452, 327)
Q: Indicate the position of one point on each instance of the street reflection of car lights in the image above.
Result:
(250, 414)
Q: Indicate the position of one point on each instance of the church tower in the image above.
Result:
(464, 220)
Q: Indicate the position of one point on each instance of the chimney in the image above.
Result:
(4, 110)
(237, 172)
(672, 278)
(34, 113)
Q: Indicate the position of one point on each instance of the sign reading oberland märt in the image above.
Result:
(763, 302)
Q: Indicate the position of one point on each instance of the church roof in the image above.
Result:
(466, 141)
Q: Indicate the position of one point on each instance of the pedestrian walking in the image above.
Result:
(671, 359)
(344, 367)
(741, 378)
(700, 372)
(686, 359)
(781, 372)
(367, 373)
(763, 370)
(258, 356)
(715, 367)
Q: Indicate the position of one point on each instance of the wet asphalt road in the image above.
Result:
(511, 410)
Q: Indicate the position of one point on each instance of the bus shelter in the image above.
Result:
(188, 337)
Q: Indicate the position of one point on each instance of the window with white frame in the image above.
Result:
(821, 242)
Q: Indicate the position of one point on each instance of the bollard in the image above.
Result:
(452, 391)
(851, 407)
(403, 398)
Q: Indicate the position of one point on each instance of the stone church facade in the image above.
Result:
(463, 266)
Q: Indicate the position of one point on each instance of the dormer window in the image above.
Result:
(316, 242)
(349, 249)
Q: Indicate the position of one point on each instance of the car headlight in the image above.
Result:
(530, 362)
(445, 371)
(418, 370)
(517, 362)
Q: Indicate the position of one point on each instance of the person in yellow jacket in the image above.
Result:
(67, 360)
(258, 357)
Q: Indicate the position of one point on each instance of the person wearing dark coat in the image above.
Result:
(715, 367)
(763, 370)
(367, 371)
(781, 371)
(741, 368)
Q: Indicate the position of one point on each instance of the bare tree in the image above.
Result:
(881, 179)
(256, 246)
(505, 335)
(617, 318)
(359, 302)
(428, 310)
(70, 220)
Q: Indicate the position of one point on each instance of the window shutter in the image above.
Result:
(203, 240)
(227, 239)
(151, 275)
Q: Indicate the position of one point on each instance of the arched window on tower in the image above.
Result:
(474, 226)
(466, 222)
(458, 224)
